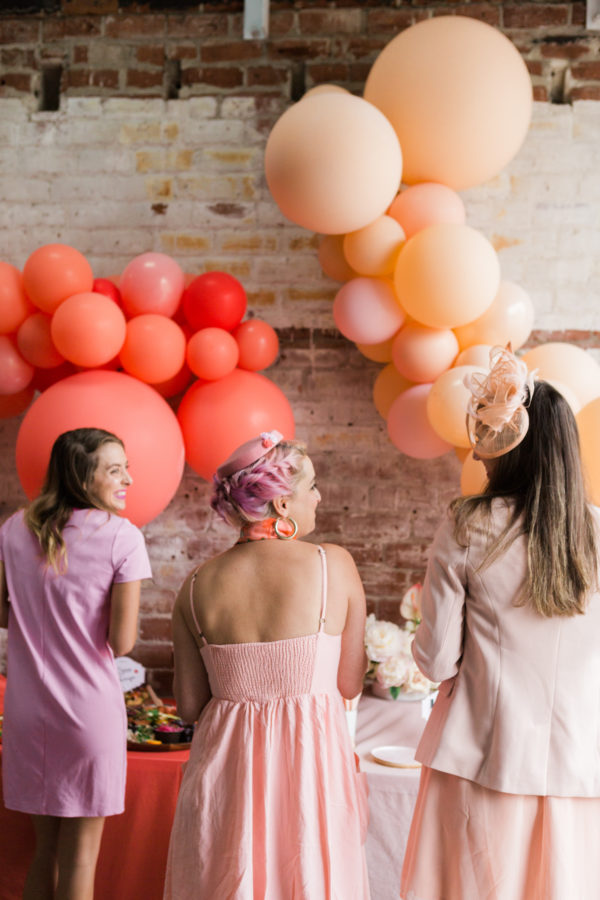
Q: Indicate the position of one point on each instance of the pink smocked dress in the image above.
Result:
(64, 747)
(271, 806)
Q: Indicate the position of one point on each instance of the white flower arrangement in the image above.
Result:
(388, 647)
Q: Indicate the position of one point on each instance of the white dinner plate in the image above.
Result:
(399, 757)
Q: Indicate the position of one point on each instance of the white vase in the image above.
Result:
(406, 696)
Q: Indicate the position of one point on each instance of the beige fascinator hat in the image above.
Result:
(497, 418)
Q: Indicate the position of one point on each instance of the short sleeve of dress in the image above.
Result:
(130, 557)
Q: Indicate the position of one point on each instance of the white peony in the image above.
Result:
(416, 681)
(393, 672)
(382, 639)
(410, 605)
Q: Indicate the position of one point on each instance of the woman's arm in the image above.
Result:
(353, 659)
(124, 608)
(190, 684)
(4, 604)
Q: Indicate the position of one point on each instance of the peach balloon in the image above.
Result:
(447, 275)
(569, 365)
(389, 384)
(477, 355)
(569, 395)
(34, 340)
(422, 205)
(508, 318)
(212, 353)
(324, 89)
(409, 428)
(333, 163)
(459, 97)
(88, 329)
(461, 453)
(14, 303)
(422, 354)
(154, 348)
(473, 477)
(588, 423)
(373, 250)
(381, 353)
(54, 272)
(366, 310)
(447, 405)
(332, 259)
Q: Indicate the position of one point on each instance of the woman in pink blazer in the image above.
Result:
(508, 806)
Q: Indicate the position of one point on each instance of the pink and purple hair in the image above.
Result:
(246, 495)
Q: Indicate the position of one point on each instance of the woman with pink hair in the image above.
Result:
(268, 638)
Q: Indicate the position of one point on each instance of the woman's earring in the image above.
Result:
(280, 534)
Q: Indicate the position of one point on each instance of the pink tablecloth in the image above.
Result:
(392, 792)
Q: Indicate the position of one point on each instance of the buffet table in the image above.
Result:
(134, 846)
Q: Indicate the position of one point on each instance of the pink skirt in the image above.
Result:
(468, 842)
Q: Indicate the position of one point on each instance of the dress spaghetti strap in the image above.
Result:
(324, 588)
(193, 611)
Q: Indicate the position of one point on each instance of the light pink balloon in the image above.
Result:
(366, 310)
(409, 427)
(151, 283)
(15, 372)
(426, 204)
(421, 354)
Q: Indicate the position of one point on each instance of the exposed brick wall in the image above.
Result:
(180, 49)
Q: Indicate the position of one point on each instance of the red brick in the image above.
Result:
(85, 7)
(183, 52)
(197, 26)
(535, 66)
(75, 78)
(79, 27)
(18, 81)
(142, 26)
(326, 73)
(299, 48)
(357, 73)
(540, 92)
(19, 31)
(586, 70)
(530, 15)
(258, 76)
(586, 92)
(153, 656)
(329, 21)
(139, 78)
(17, 58)
(578, 13)
(80, 54)
(153, 54)
(106, 78)
(484, 12)
(281, 22)
(161, 681)
(572, 50)
(228, 77)
(154, 628)
(390, 21)
(231, 52)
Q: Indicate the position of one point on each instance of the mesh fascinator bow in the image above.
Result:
(497, 418)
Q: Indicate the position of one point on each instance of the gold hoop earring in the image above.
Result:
(280, 535)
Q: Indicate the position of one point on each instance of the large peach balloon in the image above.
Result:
(459, 96)
(88, 329)
(54, 272)
(118, 403)
(218, 416)
(154, 348)
(508, 318)
(151, 283)
(588, 423)
(473, 477)
(389, 384)
(332, 259)
(447, 405)
(14, 304)
(422, 205)
(409, 427)
(421, 353)
(34, 340)
(569, 365)
(373, 250)
(447, 275)
(333, 163)
(366, 310)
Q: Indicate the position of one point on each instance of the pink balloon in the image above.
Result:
(366, 310)
(409, 428)
(421, 354)
(15, 372)
(151, 283)
(130, 409)
(426, 204)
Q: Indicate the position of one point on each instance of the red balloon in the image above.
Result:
(14, 404)
(108, 288)
(15, 372)
(88, 329)
(214, 300)
(258, 343)
(14, 303)
(154, 348)
(121, 404)
(218, 416)
(35, 342)
(54, 272)
(212, 353)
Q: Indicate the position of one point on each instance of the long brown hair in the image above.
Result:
(543, 478)
(73, 461)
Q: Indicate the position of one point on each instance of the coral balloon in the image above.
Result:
(131, 410)
(214, 300)
(14, 404)
(422, 205)
(509, 318)
(333, 163)
(54, 272)
(14, 304)
(107, 287)
(34, 340)
(389, 384)
(459, 97)
(258, 343)
(477, 355)
(366, 311)
(154, 348)
(151, 283)
(15, 372)
(381, 352)
(175, 385)
(473, 477)
(588, 423)
(212, 353)
(332, 259)
(447, 275)
(569, 365)
(374, 249)
(409, 427)
(421, 354)
(88, 329)
(45, 378)
(218, 416)
(447, 405)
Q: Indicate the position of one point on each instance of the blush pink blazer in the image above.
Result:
(519, 705)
